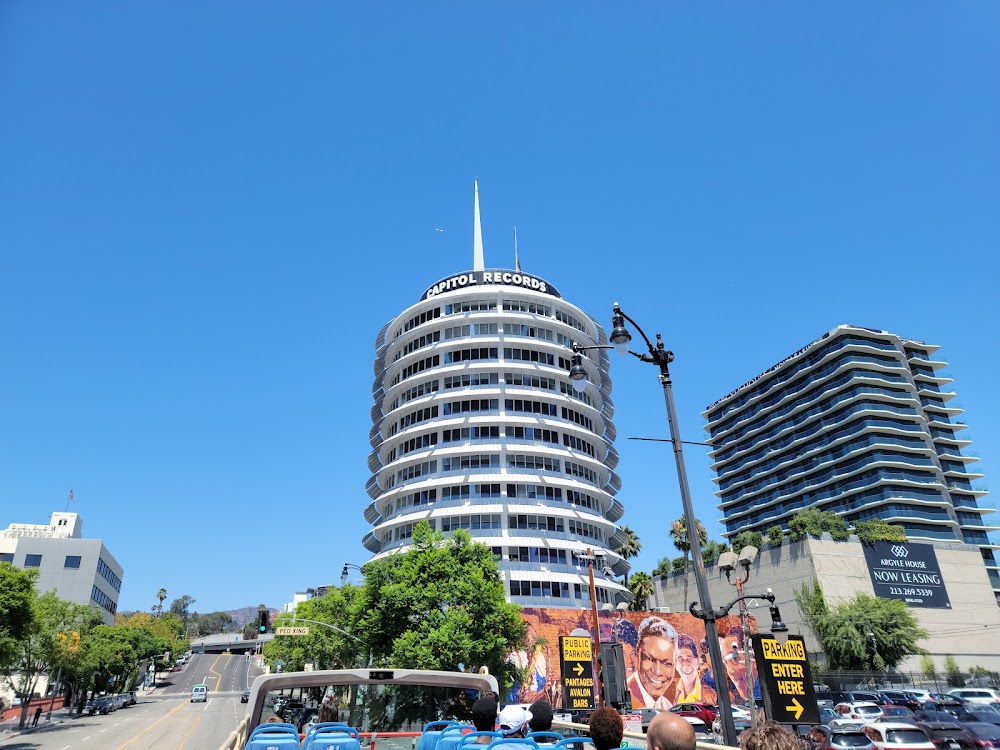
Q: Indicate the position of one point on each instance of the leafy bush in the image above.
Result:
(678, 564)
(877, 530)
(813, 522)
(746, 539)
(952, 672)
(775, 535)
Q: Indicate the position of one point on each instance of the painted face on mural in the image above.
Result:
(656, 664)
(687, 664)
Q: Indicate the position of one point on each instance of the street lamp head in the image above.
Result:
(747, 555)
(577, 373)
(343, 574)
(620, 337)
(778, 629)
(727, 562)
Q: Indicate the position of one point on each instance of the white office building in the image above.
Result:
(476, 426)
(79, 570)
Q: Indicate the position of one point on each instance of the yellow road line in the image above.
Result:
(197, 718)
(218, 685)
(129, 742)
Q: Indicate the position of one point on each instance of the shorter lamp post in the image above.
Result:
(778, 630)
(728, 562)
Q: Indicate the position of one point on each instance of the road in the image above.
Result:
(164, 720)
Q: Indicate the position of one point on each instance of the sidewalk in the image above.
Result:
(9, 730)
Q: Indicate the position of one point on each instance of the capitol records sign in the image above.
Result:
(906, 571)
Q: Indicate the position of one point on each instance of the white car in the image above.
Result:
(741, 713)
(894, 735)
(983, 696)
(855, 714)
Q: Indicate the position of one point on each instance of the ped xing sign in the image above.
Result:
(291, 631)
(785, 680)
(577, 671)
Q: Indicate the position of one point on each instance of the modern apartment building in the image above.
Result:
(476, 426)
(77, 569)
(859, 422)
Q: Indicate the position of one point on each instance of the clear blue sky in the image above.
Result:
(208, 210)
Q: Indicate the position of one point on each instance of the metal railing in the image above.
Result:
(236, 738)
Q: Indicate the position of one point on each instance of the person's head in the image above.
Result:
(484, 714)
(514, 721)
(817, 734)
(541, 716)
(669, 731)
(655, 655)
(769, 735)
(327, 712)
(686, 657)
(606, 728)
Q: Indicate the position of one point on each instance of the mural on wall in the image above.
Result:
(666, 657)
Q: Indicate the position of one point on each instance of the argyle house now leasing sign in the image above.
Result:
(906, 571)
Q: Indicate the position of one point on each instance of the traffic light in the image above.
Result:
(613, 688)
(262, 621)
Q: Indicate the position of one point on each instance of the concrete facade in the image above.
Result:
(968, 630)
(79, 570)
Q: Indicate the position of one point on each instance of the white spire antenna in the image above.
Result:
(517, 263)
(478, 264)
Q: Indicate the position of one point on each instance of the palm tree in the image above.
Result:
(641, 587)
(679, 532)
(630, 547)
(161, 595)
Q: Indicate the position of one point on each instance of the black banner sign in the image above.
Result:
(577, 672)
(907, 571)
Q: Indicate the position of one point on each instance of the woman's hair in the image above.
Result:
(327, 712)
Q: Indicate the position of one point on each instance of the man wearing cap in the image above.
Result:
(514, 720)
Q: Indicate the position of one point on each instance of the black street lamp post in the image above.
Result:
(659, 356)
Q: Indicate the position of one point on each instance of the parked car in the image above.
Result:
(131, 695)
(837, 738)
(893, 735)
(861, 712)
(943, 702)
(986, 735)
(102, 704)
(698, 710)
(898, 713)
(901, 698)
(972, 712)
(245, 697)
(929, 715)
(948, 735)
(826, 715)
(647, 715)
(976, 695)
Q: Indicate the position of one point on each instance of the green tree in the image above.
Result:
(641, 586)
(928, 668)
(679, 533)
(630, 547)
(678, 564)
(17, 592)
(38, 650)
(747, 539)
(662, 567)
(160, 596)
(335, 647)
(813, 522)
(864, 633)
(953, 674)
(711, 550)
(878, 530)
(775, 536)
(182, 608)
(440, 603)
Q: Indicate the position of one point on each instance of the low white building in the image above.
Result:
(77, 569)
(952, 598)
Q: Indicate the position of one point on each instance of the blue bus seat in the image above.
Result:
(274, 736)
(472, 739)
(545, 738)
(431, 733)
(572, 743)
(332, 736)
(450, 737)
(513, 743)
